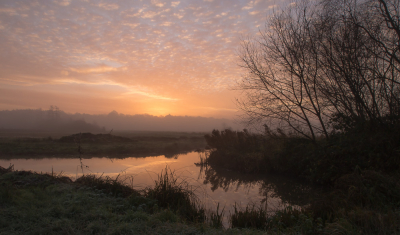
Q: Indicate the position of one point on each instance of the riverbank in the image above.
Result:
(357, 201)
(359, 169)
(53, 204)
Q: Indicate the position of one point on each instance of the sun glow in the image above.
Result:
(160, 111)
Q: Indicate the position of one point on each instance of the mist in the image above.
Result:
(55, 119)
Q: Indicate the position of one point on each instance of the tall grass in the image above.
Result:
(216, 218)
(250, 217)
(111, 186)
(177, 195)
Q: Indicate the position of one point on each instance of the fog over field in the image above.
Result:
(57, 120)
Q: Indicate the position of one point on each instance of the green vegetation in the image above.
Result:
(142, 144)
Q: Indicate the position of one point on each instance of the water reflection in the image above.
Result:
(288, 190)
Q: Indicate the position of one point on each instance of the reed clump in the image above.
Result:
(250, 217)
(177, 196)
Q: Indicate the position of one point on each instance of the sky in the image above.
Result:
(156, 57)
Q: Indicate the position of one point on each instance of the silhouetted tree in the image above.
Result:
(330, 62)
(54, 113)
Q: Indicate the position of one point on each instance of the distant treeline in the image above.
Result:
(55, 119)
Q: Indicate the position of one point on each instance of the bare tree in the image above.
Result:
(361, 76)
(281, 83)
(381, 23)
(316, 63)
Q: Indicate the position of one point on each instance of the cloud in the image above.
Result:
(179, 15)
(127, 90)
(9, 11)
(157, 3)
(132, 25)
(64, 73)
(149, 14)
(133, 91)
(220, 109)
(109, 6)
(63, 2)
(175, 4)
(153, 50)
(166, 24)
(98, 69)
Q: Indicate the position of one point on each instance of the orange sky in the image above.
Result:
(157, 57)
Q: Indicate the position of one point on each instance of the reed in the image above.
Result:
(216, 217)
(250, 217)
(177, 195)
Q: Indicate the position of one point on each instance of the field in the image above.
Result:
(30, 144)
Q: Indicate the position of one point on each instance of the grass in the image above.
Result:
(52, 204)
(250, 217)
(101, 145)
(288, 220)
(106, 184)
(32, 203)
(68, 209)
(36, 203)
